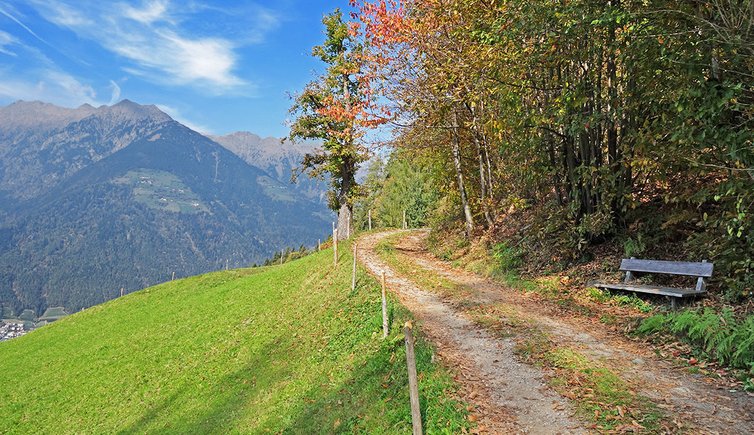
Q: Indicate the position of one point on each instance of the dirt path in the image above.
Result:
(512, 396)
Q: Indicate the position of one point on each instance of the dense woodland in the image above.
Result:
(574, 123)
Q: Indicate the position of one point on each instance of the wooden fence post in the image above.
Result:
(319, 245)
(413, 382)
(369, 214)
(335, 245)
(281, 256)
(121, 292)
(385, 327)
(353, 272)
(226, 264)
(404, 220)
(173, 277)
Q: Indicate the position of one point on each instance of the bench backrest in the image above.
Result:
(702, 269)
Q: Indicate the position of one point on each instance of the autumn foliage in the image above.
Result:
(618, 119)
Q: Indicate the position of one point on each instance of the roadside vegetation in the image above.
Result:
(713, 336)
(709, 337)
(272, 349)
(601, 396)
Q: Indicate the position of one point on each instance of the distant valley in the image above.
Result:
(95, 200)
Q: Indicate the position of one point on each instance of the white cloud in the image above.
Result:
(168, 43)
(49, 85)
(12, 14)
(150, 12)
(70, 85)
(39, 78)
(7, 40)
(115, 95)
(206, 61)
(65, 15)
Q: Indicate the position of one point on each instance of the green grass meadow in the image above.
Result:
(280, 349)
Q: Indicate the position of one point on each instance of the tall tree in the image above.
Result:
(335, 108)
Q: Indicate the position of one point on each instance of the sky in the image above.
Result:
(216, 66)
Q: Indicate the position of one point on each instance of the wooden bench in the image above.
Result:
(632, 265)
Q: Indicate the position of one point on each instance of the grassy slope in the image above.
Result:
(279, 349)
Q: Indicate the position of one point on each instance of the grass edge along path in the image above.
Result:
(601, 397)
(283, 349)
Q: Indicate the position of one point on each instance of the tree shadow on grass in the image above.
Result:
(375, 399)
(371, 399)
(227, 399)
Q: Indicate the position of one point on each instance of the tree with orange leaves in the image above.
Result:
(336, 109)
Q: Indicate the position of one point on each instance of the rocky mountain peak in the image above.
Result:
(263, 151)
(40, 115)
(127, 110)
(280, 158)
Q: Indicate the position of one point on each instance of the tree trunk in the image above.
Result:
(483, 183)
(345, 215)
(459, 177)
(477, 135)
(345, 212)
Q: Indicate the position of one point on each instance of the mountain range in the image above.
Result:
(95, 200)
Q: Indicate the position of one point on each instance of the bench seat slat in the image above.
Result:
(687, 268)
(657, 290)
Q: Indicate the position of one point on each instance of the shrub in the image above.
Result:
(634, 247)
(506, 257)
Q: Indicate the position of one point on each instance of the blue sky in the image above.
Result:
(216, 66)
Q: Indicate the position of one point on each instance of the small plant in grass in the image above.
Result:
(626, 300)
(597, 295)
(634, 247)
(652, 325)
(633, 301)
(749, 379)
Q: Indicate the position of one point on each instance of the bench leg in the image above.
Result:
(673, 303)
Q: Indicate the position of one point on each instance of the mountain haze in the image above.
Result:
(123, 196)
(42, 144)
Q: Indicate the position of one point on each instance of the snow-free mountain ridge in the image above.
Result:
(95, 200)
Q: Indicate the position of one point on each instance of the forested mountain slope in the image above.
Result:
(125, 197)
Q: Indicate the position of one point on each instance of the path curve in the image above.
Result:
(510, 396)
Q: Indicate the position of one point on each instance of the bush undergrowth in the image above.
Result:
(716, 335)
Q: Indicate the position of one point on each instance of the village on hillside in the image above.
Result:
(12, 327)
